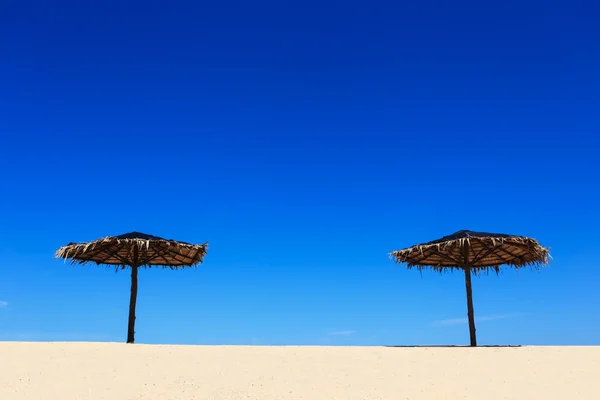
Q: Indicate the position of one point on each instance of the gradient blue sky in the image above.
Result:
(304, 141)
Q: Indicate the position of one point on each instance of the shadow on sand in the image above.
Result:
(457, 346)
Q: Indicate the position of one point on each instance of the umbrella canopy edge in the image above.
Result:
(488, 252)
(151, 251)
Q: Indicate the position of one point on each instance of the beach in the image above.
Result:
(95, 371)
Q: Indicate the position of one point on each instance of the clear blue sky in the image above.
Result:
(304, 141)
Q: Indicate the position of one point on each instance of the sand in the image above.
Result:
(94, 371)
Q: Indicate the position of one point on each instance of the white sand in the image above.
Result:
(65, 371)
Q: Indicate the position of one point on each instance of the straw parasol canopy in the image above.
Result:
(474, 252)
(134, 250)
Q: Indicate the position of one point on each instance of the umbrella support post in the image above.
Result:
(132, 302)
(470, 307)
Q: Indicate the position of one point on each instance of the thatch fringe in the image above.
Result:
(126, 250)
(486, 252)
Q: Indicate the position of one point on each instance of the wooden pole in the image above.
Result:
(470, 313)
(470, 307)
(133, 297)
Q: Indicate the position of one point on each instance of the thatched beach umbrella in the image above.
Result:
(134, 250)
(474, 252)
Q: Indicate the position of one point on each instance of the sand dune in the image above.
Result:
(94, 371)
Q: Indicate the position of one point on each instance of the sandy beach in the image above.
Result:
(95, 371)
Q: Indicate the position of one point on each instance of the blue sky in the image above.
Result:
(304, 141)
